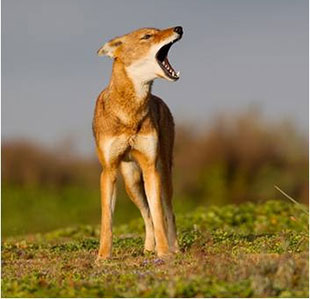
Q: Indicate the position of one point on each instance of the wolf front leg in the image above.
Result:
(153, 194)
(108, 195)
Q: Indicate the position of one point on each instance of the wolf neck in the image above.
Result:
(129, 85)
(129, 98)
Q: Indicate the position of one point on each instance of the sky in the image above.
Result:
(235, 54)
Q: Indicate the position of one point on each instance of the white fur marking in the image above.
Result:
(141, 74)
(113, 147)
(147, 144)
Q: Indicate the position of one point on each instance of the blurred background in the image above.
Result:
(240, 107)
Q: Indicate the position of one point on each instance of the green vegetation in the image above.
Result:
(52, 208)
(251, 250)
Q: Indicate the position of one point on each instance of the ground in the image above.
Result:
(251, 250)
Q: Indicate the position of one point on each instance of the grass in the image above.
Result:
(249, 250)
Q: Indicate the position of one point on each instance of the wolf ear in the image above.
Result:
(110, 48)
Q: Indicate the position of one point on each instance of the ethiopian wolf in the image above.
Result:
(134, 132)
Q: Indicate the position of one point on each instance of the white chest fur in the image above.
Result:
(115, 146)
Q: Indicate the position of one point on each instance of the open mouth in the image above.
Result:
(162, 59)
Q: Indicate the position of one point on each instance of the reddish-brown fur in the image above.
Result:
(136, 134)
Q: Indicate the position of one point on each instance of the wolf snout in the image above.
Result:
(178, 29)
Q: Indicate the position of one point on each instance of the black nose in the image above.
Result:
(178, 29)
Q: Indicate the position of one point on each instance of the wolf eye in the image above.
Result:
(147, 36)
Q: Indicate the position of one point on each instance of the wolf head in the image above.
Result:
(144, 52)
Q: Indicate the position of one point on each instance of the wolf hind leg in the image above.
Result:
(135, 188)
(167, 192)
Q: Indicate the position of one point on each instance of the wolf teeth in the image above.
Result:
(170, 70)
